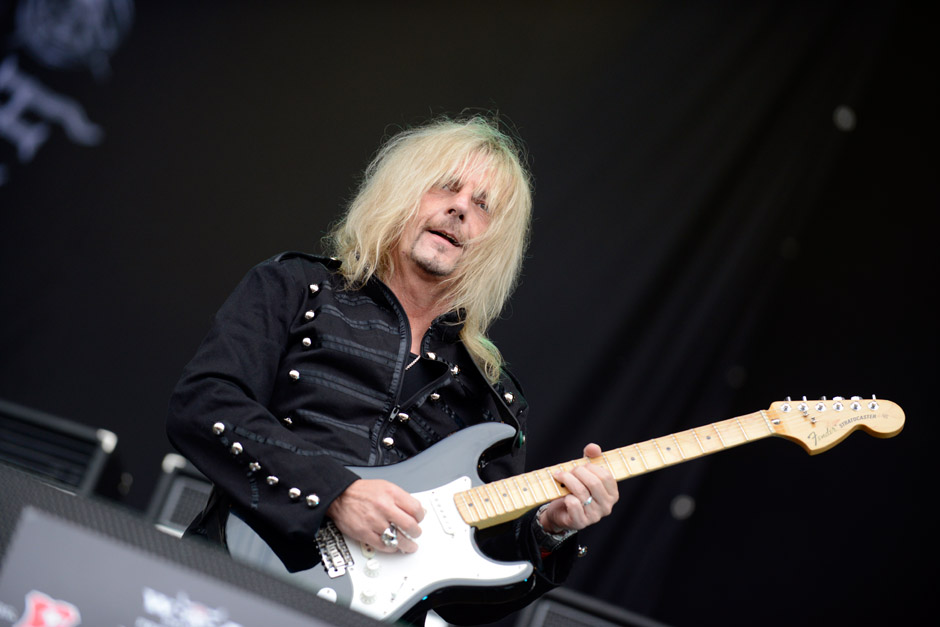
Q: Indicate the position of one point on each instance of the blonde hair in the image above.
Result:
(408, 165)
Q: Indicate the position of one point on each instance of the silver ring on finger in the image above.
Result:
(589, 500)
(390, 536)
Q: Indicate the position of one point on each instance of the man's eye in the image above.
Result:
(482, 205)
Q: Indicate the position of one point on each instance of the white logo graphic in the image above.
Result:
(181, 612)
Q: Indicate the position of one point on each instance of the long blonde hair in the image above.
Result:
(406, 167)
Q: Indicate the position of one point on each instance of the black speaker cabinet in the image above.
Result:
(83, 560)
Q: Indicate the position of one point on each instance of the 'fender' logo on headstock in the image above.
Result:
(816, 438)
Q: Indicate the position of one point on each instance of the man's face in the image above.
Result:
(449, 216)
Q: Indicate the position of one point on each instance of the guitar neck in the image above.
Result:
(507, 499)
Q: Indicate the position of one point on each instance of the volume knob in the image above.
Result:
(373, 566)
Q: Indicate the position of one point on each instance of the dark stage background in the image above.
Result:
(736, 201)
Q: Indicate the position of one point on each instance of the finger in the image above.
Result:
(399, 543)
(574, 484)
(593, 450)
(406, 524)
(410, 505)
(602, 488)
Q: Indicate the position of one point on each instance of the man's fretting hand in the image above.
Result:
(593, 493)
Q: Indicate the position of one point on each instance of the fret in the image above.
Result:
(660, 451)
(720, 439)
(767, 422)
(697, 441)
(469, 508)
(538, 475)
(523, 492)
(508, 493)
(678, 446)
(642, 459)
(624, 459)
(495, 497)
(479, 504)
(741, 427)
(607, 463)
(555, 483)
(487, 500)
(528, 484)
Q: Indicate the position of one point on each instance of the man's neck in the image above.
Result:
(423, 301)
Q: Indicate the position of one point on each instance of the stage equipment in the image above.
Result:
(181, 493)
(69, 454)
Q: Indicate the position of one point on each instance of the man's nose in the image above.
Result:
(459, 205)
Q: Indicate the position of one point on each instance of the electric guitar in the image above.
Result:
(444, 478)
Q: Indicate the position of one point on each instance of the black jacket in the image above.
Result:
(300, 377)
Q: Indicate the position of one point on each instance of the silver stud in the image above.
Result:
(254, 466)
(388, 442)
(312, 500)
(272, 480)
(314, 288)
(455, 370)
(295, 375)
(236, 448)
(509, 398)
(582, 550)
(218, 428)
(403, 417)
(288, 421)
(307, 342)
(435, 396)
(309, 315)
(294, 494)
(432, 356)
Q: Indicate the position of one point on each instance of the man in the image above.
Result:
(372, 356)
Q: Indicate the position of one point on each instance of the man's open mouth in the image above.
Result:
(450, 238)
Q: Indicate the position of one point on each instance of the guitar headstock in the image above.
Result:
(818, 425)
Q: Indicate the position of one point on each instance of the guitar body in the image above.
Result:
(384, 585)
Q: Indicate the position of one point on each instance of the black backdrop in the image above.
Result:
(735, 201)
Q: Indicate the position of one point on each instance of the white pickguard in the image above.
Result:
(386, 583)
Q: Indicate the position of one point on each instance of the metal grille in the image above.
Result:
(181, 494)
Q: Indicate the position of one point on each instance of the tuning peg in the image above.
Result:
(803, 406)
(873, 405)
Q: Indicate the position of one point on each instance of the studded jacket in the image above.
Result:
(300, 376)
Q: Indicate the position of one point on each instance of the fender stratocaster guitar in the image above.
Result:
(444, 478)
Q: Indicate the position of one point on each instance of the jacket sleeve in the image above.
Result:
(218, 416)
